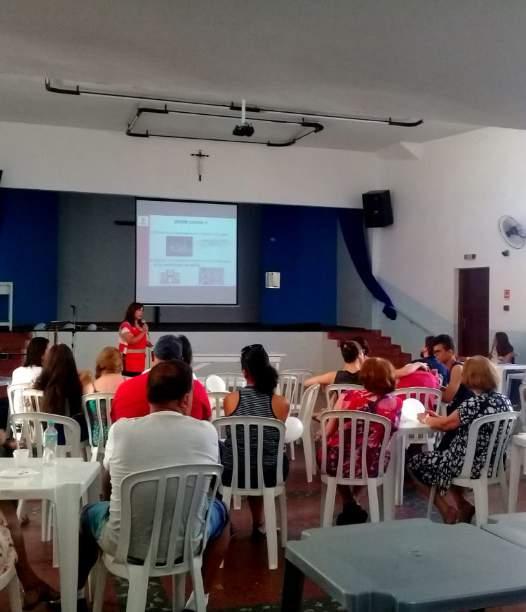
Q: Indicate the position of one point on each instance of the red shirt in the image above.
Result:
(420, 378)
(133, 362)
(131, 401)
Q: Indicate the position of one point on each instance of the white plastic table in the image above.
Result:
(64, 485)
(203, 360)
(405, 566)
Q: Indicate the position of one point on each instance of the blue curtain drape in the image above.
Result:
(353, 230)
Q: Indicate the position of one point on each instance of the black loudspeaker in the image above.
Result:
(377, 208)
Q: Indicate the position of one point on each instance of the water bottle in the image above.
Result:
(50, 444)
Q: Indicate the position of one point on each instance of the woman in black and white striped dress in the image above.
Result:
(256, 399)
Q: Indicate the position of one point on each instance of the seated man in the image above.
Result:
(166, 437)
(431, 361)
(130, 399)
(444, 351)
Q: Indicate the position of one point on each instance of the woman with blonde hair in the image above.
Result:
(108, 372)
(439, 467)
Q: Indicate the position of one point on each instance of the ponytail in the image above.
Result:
(255, 360)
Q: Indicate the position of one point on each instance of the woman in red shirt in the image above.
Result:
(133, 335)
(378, 378)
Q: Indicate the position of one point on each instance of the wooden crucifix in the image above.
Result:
(200, 156)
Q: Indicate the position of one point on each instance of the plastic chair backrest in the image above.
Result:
(33, 400)
(216, 401)
(32, 429)
(501, 426)
(334, 392)
(242, 427)
(289, 388)
(15, 397)
(354, 420)
(302, 376)
(233, 381)
(97, 412)
(430, 398)
(164, 515)
(308, 402)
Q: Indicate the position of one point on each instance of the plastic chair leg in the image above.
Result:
(292, 452)
(480, 491)
(430, 501)
(503, 488)
(178, 592)
(237, 502)
(329, 500)
(374, 507)
(100, 573)
(269, 505)
(517, 456)
(309, 457)
(282, 501)
(227, 497)
(13, 591)
(199, 591)
(137, 588)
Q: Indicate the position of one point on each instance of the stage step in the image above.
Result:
(380, 346)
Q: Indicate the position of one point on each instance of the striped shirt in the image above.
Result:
(256, 404)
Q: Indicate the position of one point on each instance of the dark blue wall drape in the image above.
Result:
(353, 230)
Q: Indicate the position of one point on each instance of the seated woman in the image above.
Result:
(439, 467)
(501, 349)
(62, 388)
(108, 378)
(30, 371)
(201, 409)
(378, 378)
(256, 399)
(353, 357)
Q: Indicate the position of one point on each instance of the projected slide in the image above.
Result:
(186, 253)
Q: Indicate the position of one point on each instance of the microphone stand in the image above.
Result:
(74, 330)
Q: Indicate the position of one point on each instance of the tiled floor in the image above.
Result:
(245, 579)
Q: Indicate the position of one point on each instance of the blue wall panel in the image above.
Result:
(301, 243)
(29, 251)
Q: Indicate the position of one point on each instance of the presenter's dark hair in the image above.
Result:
(350, 351)
(130, 312)
(35, 352)
(187, 349)
(255, 360)
(169, 381)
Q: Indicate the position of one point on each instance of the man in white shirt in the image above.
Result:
(165, 437)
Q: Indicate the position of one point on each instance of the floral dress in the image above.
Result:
(7, 550)
(439, 467)
(388, 406)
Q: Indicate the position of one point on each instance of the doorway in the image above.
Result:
(473, 311)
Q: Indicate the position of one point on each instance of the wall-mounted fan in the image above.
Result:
(512, 232)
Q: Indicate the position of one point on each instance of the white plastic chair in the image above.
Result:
(9, 581)
(301, 376)
(356, 419)
(174, 531)
(233, 381)
(432, 400)
(493, 470)
(215, 384)
(101, 418)
(15, 397)
(288, 387)
(216, 402)
(33, 400)
(334, 392)
(308, 402)
(254, 456)
(522, 414)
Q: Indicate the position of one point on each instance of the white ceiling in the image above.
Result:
(456, 64)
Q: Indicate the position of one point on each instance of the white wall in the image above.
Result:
(446, 204)
(73, 159)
